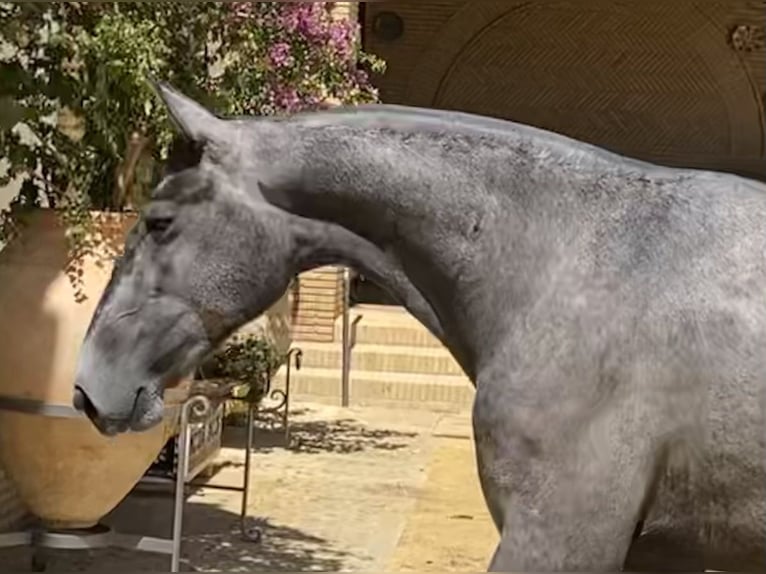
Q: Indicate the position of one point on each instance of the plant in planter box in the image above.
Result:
(247, 359)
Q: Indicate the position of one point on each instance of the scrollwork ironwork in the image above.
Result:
(294, 357)
(196, 408)
(747, 38)
(276, 395)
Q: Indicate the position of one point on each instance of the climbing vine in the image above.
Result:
(81, 128)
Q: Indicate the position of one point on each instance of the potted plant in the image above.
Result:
(242, 367)
(83, 136)
(248, 361)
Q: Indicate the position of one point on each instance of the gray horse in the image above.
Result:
(610, 312)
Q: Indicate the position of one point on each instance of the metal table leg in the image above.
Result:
(295, 354)
(197, 406)
(253, 534)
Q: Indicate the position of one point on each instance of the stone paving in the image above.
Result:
(358, 489)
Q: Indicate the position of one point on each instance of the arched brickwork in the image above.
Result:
(658, 80)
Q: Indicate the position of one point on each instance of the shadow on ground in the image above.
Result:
(344, 436)
(212, 543)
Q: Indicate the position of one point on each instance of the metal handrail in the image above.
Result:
(349, 329)
(346, 339)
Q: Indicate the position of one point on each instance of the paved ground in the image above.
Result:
(356, 490)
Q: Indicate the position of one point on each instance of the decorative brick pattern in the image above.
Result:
(317, 302)
(345, 10)
(453, 55)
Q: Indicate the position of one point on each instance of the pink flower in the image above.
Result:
(342, 37)
(280, 55)
(305, 18)
(362, 77)
(308, 53)
(241, 10)
(285, 97)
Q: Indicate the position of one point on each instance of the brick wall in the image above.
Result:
(453, 55)
(345, 10)
(317, 302)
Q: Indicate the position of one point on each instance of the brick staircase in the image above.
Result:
(396, 362)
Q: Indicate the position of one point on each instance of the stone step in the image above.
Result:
(387, 325)
(385, 358)
(385, 314)
(370, 333)
(449, 393)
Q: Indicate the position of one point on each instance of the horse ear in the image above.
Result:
(191, 119)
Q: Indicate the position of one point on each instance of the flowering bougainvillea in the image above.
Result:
(292, 56)
(73, 74)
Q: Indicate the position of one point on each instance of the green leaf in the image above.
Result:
(114, 46)
(11, 113)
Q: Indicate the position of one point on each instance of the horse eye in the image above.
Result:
(159, 217)
(158, 224)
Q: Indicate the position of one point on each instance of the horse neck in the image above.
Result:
(403, 209)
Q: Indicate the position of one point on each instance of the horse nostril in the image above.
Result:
(83, 404)
(79, 401)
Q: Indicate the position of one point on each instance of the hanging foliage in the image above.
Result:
(81, 128)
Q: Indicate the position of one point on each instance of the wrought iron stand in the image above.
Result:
(248, 533)
(295, 355)
(182, 470)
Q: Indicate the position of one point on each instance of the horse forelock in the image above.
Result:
(190, 185)
(183, 154)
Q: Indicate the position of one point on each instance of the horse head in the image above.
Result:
(203, 259)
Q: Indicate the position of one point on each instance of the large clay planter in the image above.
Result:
(67, 474)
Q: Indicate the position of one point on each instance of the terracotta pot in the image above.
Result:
(67, 474)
